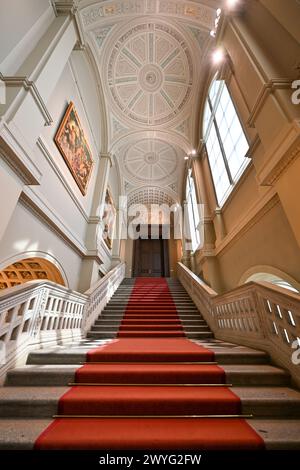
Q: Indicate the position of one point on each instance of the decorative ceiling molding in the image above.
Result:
(148, 73)
(149, 161)
(201, 15)
(101, 34)
(152, 195)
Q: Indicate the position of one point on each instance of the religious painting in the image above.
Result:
(109, 217)
(73, 146)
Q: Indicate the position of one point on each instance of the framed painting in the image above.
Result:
(73, 146)
(109, 218)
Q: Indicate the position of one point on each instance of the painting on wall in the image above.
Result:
(109, 218)
(73, 146)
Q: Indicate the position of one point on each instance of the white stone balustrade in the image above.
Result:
(41, 313)
(258, 315)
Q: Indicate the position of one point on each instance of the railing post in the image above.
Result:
(39, 311)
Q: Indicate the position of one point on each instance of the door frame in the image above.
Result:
(165, 264)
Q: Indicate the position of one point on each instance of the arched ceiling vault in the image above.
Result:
(151, 57)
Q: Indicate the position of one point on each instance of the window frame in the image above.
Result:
(190, 191)
(212, 122)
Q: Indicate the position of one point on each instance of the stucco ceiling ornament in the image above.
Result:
(149, 160)
(149, 74)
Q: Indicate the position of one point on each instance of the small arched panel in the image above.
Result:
(30, 269)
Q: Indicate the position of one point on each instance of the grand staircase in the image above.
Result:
(137, 325)
(180, 382)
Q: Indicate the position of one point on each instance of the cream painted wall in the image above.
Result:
(22, 23)
(269, 241)
(260, 49)
(28, 234)
(10, 190)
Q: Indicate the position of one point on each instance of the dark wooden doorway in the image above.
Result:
(151, 257)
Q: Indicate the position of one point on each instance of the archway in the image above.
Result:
(272, 275)
(30, 269)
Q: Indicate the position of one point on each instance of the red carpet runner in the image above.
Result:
(142, 390)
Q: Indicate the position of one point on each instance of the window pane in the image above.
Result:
(232, 134)
(217, 165)
(193, 215)
(207, 117)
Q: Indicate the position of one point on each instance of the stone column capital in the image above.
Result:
(108, 156)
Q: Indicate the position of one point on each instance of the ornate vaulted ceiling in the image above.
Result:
(150, 55)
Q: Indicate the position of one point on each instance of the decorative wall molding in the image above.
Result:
(70, 8)
(281, 154)
(48, 215)
(86, 115)
(16, 156)
(256, 212)
(267, 89)
(46, 152)
(253, 146)
(64, 7)
(29, 85)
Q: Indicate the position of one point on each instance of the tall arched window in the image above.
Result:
(193, 212)
(225, 140)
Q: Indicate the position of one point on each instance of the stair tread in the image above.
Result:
(277, 433)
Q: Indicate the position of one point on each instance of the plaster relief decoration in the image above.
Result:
(202, 15)
(149, 74)
(150, 160)
(109, 219)
(73, 146)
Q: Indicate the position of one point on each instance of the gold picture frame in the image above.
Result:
(72, 144)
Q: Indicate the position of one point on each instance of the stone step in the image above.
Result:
(41, 402)
(136, 327)
(77, 355)
(115, 328)
(278, 434)
(149, 315)
(157, 332)
(62, 374)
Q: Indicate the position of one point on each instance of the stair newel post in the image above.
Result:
(260, 313)
(39, 311)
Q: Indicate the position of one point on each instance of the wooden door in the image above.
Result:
(151, 258)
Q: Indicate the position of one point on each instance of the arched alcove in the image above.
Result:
(29, 269)
(272, 275)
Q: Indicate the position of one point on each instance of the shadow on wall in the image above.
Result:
(273, 276)
(30, 269)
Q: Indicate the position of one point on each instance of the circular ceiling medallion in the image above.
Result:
(149, 160)
(150, 78)
(149, 73)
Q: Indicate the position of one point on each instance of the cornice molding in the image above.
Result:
(64, 7)
(267, 89)
(71, 7)
(29, 85)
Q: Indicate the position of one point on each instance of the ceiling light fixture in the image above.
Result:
(218, 56)
(232, 3)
